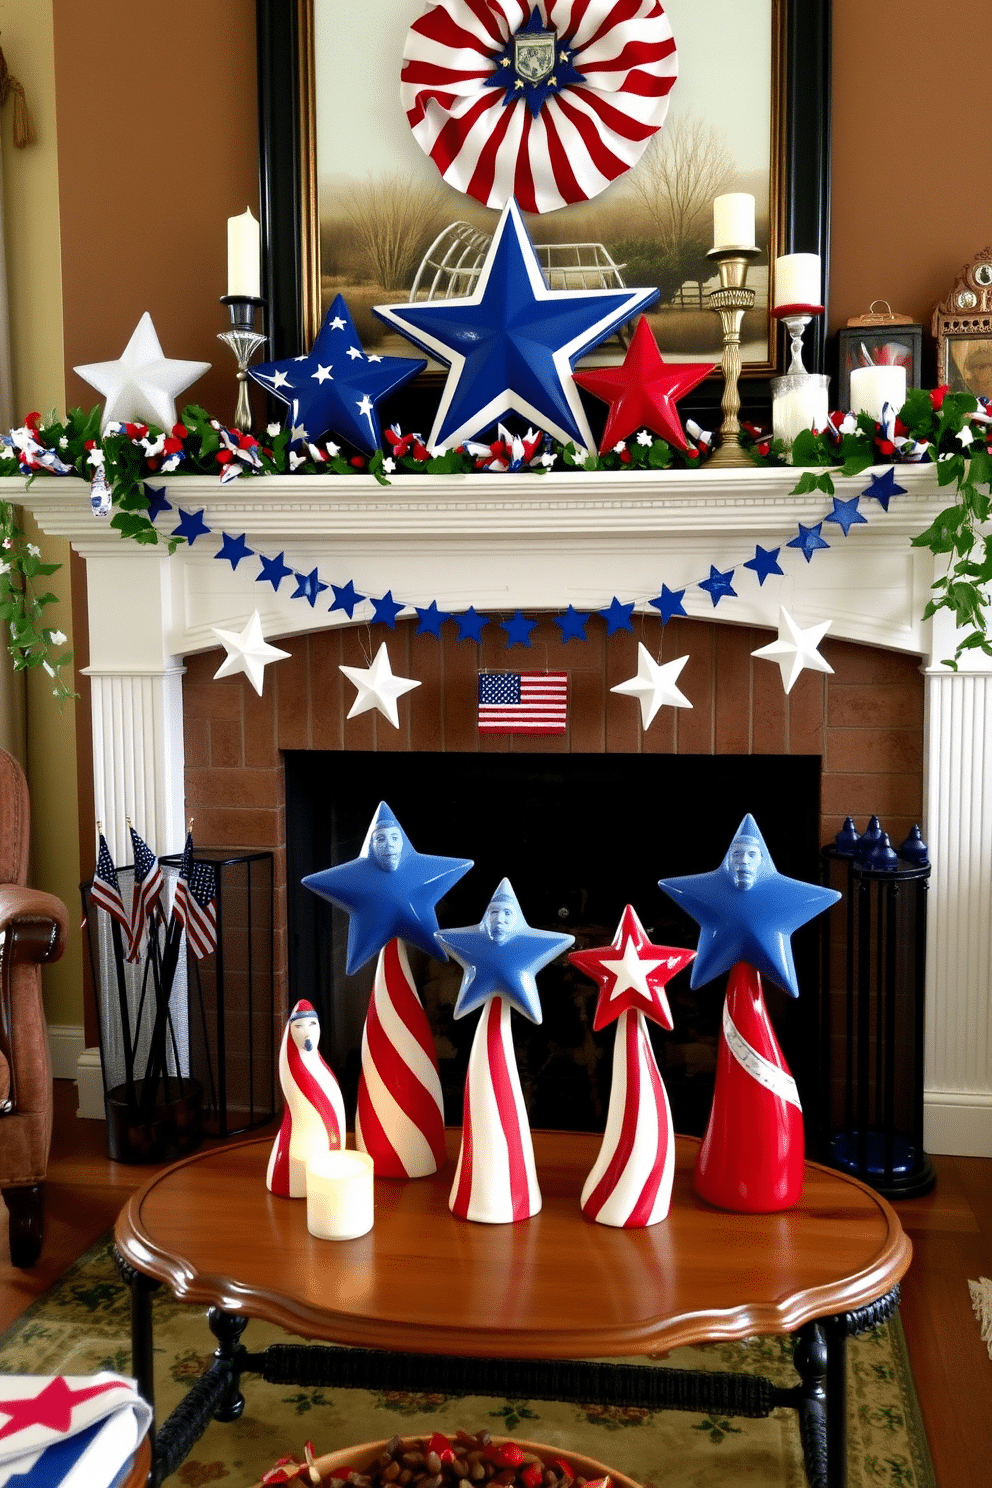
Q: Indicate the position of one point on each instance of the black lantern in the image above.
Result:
(879, 339)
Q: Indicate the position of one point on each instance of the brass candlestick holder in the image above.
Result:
(730, 302)
(244, 341)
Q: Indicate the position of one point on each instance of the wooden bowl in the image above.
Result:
(361, 1457)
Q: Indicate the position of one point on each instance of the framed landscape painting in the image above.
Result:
(351, 205)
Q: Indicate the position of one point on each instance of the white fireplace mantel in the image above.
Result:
(507, 542)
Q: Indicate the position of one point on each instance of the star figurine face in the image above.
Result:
(389, 891)
(747, 911)
(511, 344)
(501, 956)
(378, 687)
(335, 389)
(631, 973)
(247, 651)
(642, 393)
(795, 650)
(142, 385)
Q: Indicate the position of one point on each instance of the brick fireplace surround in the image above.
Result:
(898, 733)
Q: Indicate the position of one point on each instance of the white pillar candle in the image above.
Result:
(799, 402)
(243, 256)
(733, 220)
(873, 386)
(798, 280)
(339, 1195)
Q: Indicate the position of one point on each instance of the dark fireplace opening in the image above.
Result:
(578, 836)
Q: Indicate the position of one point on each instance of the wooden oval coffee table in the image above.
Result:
(477, 1304)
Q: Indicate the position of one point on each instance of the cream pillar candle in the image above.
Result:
(243, 256)
(339, 1195)
(799, 401)
(733, 220)
(873, 386)
(798, 280)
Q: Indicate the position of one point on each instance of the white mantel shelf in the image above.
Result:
(540, 543)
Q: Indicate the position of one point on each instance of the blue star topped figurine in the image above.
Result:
(335, 389)
(496, 1178)
(389, 891)
(747, 911)
(511, 344)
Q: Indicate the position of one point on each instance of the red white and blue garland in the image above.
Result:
(549, 103)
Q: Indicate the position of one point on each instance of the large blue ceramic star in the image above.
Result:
(336, 388)
(668, 603)
(572, 625)
(518, 629)
(234, 549)
(274, 570)
(808, 541)
(191, 526)
(883, 487)
(389, 890)
(345, 598)
(501, 956)
(470, 625)
(719, 585)
(764, 562)
(845, 514)
(512, 343)
(617, 616)
(747, 911)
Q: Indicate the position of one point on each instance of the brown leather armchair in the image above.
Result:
(33, 929)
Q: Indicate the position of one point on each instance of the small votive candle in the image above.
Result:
(798, 280)
(871, 387)
(339, 1195)
(733, 220)
(244, 271)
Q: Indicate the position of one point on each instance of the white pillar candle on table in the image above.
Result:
(339, 1195)
(733, 220)
(798, 280)
(243, 256)
(873, 386)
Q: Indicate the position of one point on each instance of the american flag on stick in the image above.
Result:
(196, 902)
(523, 702)
(105, 891)
(148, 886)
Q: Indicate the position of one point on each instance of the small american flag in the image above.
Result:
(148, 886)
(105, 891)
(196, 902)
(522, 702)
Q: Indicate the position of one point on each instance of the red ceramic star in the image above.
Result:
(635, 978)
(643, 391)
(51, 1407)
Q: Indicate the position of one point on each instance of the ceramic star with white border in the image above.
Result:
(501, 956)
(378, 687)
(142, 385)
(796, 649)
(511, 344)
(336, 388)
(654, 685)
(247, 651)
(633, 980)
(390, 890)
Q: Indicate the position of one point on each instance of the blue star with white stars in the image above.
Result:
(883, 487)
(470, 624)
(191, 526)
(747, 911)
(345, 598)
(274, 570)
(572, 625)
(669, 603)
(518, 629)
(430, 620)
(389, 891)
(719, 585)
(512, 343)
(512, 71)
(617, 616)
(845, 514)
(501, 956)
(808, 541)
(233, 549)
(764, 562)
(335, 389)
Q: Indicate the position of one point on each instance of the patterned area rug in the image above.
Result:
(82, 1324)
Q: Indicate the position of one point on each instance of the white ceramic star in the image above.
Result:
(795, 649)
(378, 687)
(247, 651)
(142, 386)
(654, 685)
(632, 970)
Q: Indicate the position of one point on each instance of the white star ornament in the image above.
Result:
(378, 687)
(247, 651)
(795, 649)
(142, 386)
(654, 685)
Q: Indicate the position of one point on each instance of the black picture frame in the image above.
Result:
(283, 44)
(854, 342)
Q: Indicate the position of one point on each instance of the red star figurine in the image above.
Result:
(635, 979)
(51, 1407)
(643, 391)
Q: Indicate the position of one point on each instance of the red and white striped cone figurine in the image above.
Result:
(400, 1117)
(630, 1185)
(313, 1120)
(496, 1178)
(751, 1158)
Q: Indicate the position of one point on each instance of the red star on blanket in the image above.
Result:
(636, 977)
(52, 1407)
(643, 391)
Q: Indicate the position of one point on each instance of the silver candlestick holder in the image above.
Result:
(796, 318)
(730, 302)
(244, 341)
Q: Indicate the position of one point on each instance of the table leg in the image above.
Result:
(836, 1403)
(227, 1328)
(810, 1359)
(142, 1340)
